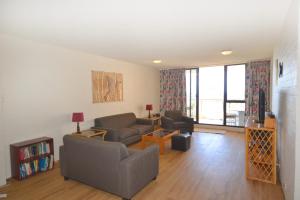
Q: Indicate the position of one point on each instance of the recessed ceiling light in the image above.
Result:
(156, 61)
(226, 53)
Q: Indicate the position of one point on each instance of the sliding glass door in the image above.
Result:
(211, 95)
(216, 95)
(191, 92)
(234, 95)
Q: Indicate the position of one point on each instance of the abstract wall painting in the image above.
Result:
(107, 86)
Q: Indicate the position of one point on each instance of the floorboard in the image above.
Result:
(213, 169)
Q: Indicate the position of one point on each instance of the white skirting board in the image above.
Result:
(220, 128)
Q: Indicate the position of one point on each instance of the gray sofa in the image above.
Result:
(125, 128)
(109, 166)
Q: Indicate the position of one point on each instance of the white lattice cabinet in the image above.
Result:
(260, 152)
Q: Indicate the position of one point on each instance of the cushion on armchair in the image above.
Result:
(181, 124)
(176, 115)
(175, 120)
(142, 129)
(116, 121)
(127, 132)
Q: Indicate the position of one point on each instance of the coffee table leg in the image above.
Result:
(143, 144)
(161, 147)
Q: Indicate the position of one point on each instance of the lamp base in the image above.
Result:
(78, 128)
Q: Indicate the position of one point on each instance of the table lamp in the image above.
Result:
(78, 117)
(149, 107)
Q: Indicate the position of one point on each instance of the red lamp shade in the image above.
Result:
(149, 107)
(77, 117)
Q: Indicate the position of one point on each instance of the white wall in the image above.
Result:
(44, 84)
(2, 136)
(2, 160)
(284, 99)
(297, 160)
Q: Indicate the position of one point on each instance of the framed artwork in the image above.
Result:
(107, 86)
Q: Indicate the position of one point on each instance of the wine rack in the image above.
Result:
(261, 153)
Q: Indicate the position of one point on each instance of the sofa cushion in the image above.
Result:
(142, 129)
(127, 132)
(116, 121)
(181, 124)
(176, 115)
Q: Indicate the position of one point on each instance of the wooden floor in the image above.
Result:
(213, 169)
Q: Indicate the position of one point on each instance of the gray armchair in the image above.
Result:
(109, 166)
(175, 120)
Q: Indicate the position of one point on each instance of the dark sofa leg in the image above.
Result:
(154, 178)
(66, 178)
(125, 199)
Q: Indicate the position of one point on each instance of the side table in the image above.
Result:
(91, 133)
(156, 122)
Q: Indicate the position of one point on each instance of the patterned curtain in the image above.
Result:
(172, 90)
(257, 76)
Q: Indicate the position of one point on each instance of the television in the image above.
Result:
(261, 106)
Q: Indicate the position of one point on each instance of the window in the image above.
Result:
(236, 82)
(216, 95)
(211, 95)
(235, 95)
(191, 92)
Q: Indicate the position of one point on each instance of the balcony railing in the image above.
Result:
(211, 112)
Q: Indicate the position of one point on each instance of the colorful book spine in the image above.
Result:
(32, 168)
(22, 171)
(26, 153)
(44, 147)
(21, 154)
(47, 147)
(28, 169)
(51, 160)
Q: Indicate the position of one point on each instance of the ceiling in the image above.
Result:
(182, 33)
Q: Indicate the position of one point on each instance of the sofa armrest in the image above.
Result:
(144, 121)
(188, 119)
(112, 134)
(138, 170)
(167, 122)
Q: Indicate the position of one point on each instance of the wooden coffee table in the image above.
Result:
(160, 137)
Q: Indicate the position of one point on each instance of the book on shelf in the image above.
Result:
(22, 171)
(51, 161)
(34, 150)
(43, 164)
(35, 166)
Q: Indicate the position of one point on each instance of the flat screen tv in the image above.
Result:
(261, 106)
